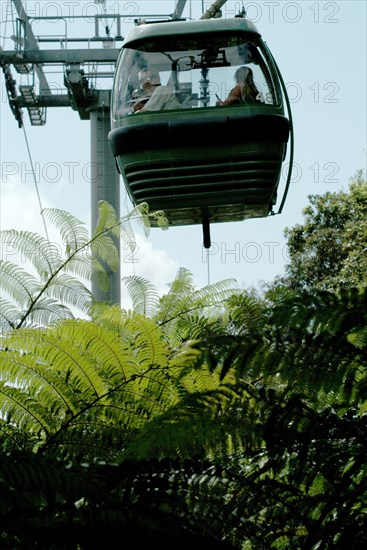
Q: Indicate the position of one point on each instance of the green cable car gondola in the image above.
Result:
(179, 144)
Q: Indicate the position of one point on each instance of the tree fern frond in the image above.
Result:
(58, 348)
(109, 230)
(160, 219)
(142, 216)
(35, 295)
(19, 284)
(247, 313)
(80, 264)
(215, 292)
(104, 243)
(196, 380)
(24, 411)
(46, 311)
(144, 295)
(185, 304)
(99, 276)
(91, 258)
(43, 255)
(181, 286)
(182, 283)
(183, 297)
(32, 306)
(104, 248)
(111, 374)
(127, 234)
(9, 315)
(32, 376)
(191, 428)
(69, 290)
(72, 231)
(107, 219)
(138, 332)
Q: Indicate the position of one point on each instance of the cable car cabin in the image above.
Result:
(178, 145)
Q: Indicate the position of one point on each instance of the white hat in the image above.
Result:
(149, 76)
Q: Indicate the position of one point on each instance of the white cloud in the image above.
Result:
(20, 207)
(152, 264)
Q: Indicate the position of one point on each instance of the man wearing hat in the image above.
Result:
(154, 96)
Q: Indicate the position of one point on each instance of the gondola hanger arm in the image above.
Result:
(214, 10)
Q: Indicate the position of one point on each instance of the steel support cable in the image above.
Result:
(35, 183)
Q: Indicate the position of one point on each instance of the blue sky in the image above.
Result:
(320, 48)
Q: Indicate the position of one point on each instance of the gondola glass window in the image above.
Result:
(199, 72)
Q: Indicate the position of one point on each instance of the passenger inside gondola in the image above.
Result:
(245, 90)
(159, 98)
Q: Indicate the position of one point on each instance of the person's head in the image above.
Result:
(148, 79)
(243, 74)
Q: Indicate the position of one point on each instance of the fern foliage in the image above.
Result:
(205, 418)
(52, 280)
(80, 377)
(184, 310)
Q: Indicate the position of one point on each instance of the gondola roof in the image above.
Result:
(187, 27)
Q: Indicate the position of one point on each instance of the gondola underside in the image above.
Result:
(222, 169)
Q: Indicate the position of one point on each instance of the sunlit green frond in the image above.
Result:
(57, 348)
(80, 264)
(99, 276)
(183, 283)
(91, 258)
(247, 313)
(18, 283)
(73, 232)
(139, 332)
(104, 249)
(150, 346)
(37, 301)
(102, 346)
(197, 380)
(184, 305)
(106, 378)
(141, 215)
(184, 297)
(45, 311)
(69, 290)
(215, 292)
(144, 295)
(107, 220)
(9, 315)
(127, 234)
(33, 376)
(24, 411)
(105, 241)
(43, 255)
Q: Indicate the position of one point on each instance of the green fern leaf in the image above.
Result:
(72, 231)
(69, 290)
(9, 315)
(19, 284)
(144, 295)
(43, 255)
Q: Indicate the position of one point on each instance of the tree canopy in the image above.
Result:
(328, 251)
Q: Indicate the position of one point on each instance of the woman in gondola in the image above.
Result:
(245, 90)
